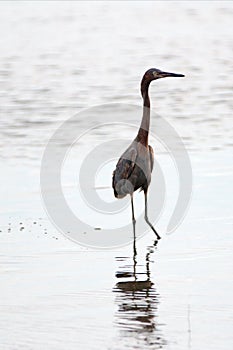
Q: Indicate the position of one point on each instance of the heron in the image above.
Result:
(134, 167)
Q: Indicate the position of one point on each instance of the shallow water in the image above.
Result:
(173, 295)
(57, 58)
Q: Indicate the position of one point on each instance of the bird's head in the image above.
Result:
(153, 74)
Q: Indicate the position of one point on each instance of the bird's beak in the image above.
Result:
(167, 74)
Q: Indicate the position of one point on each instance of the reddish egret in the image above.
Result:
(133, 170)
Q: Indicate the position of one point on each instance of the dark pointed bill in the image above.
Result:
(167, 74)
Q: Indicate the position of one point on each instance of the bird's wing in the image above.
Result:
(151, 158)
(123, 170)
(126, 164)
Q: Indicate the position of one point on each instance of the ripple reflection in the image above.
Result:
(137, 305)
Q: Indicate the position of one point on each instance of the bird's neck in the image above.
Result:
(143, 131)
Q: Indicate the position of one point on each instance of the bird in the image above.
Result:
(134, 167)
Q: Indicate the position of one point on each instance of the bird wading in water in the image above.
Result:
(134, 168)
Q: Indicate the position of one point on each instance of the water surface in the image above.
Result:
(56, 59)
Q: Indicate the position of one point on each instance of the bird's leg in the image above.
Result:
(146, 217)
(134, 259)
(134, 223)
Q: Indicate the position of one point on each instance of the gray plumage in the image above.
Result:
(134, 168)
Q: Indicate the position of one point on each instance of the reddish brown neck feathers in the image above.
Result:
(142, 136)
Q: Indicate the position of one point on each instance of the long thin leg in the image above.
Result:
(146, 217)
(134, 223)
(134, 259)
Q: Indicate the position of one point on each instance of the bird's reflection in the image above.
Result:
(137, 301)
